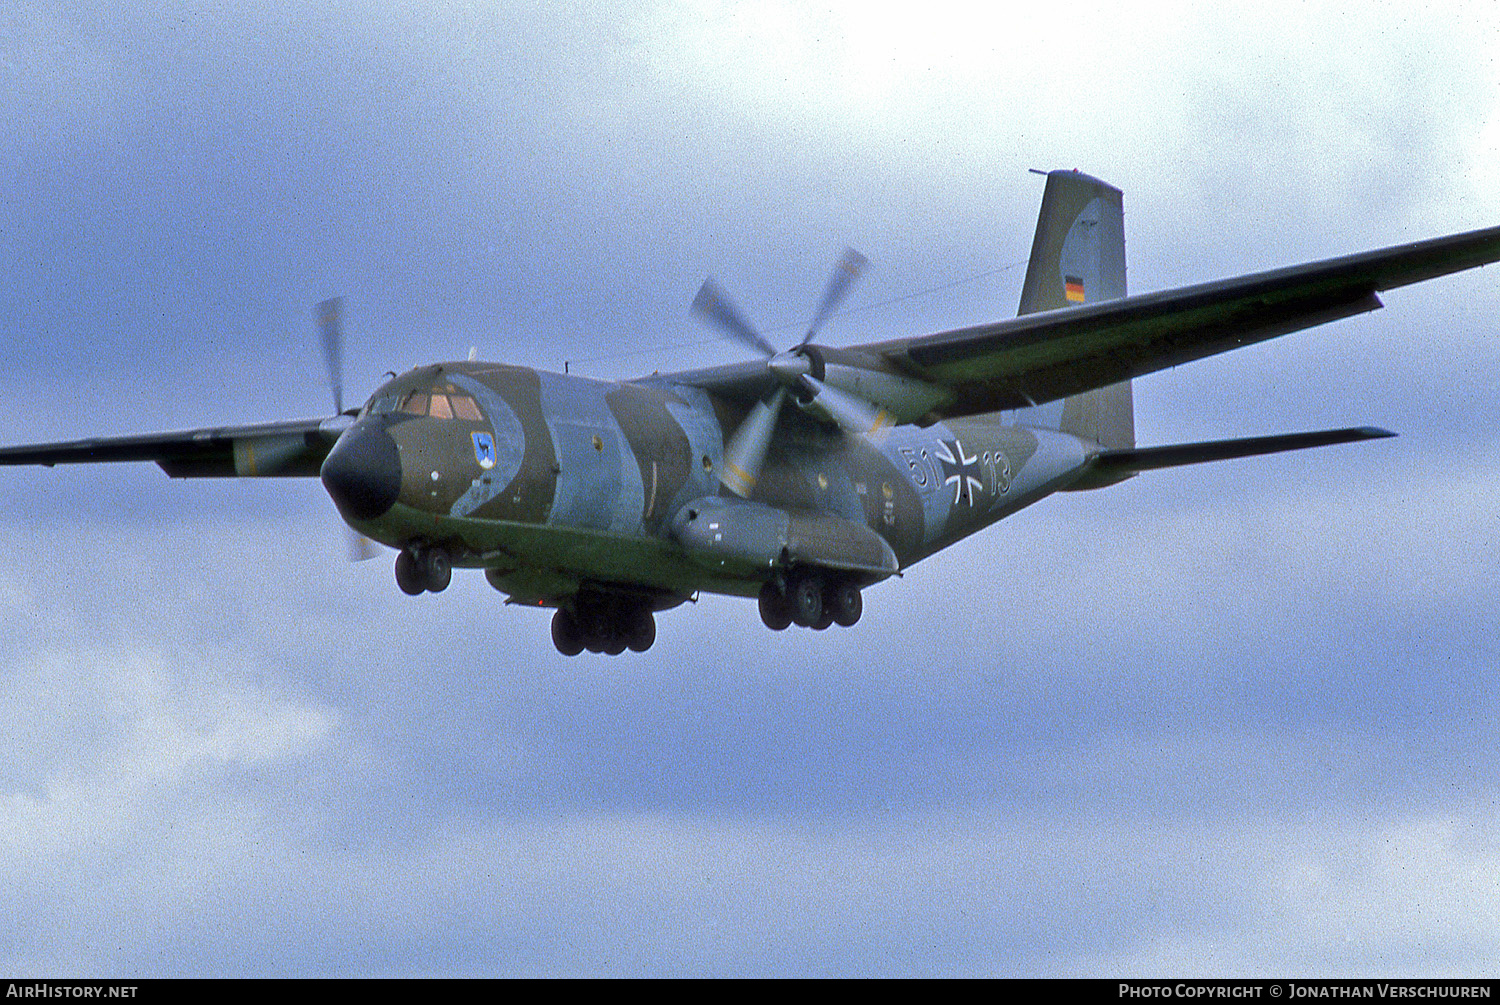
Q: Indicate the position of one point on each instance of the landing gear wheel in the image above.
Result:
(642, 631)
(565, 633)
(610, 623)
(593, 627)
(845, 603)
(774, 609)
(437, 568)
(805, 598)
(409, 574)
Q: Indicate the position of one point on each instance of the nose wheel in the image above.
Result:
(423, 570)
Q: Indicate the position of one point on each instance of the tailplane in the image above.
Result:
(1112, 466)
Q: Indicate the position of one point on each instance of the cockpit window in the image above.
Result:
(438, 406)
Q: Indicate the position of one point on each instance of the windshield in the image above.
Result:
(434, 404)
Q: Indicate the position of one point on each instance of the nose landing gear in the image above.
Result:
(423, 570)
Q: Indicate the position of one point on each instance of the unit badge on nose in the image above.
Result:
(484, 450)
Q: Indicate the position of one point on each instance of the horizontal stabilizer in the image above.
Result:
(1114, 465)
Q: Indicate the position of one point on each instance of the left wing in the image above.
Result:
(294, 448)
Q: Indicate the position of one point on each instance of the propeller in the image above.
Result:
(851, 265)
(331, 333)
(745, 453)
(713, 305)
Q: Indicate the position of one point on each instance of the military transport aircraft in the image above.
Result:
(800, 478)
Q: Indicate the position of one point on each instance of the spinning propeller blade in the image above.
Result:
(331, 334)
(331, 331)
(851, 413)
(846, 273)
(713, 305)
(359, 547)
(745, 452)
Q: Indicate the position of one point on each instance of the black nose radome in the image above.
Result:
(363, 471)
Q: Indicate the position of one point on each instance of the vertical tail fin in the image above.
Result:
(1077, 257)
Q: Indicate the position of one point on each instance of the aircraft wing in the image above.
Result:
(1040, 357)
(293, 448)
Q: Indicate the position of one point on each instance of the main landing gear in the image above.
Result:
(811, 599)
(603, 624)
(423, 570)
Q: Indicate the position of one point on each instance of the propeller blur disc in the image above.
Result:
(331, 332)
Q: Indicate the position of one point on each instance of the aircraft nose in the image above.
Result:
(362, 472)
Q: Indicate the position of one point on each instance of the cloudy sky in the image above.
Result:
(1233, 720)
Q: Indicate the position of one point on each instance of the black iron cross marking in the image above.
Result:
(956, 470)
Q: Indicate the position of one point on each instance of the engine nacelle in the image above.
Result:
(864, 376)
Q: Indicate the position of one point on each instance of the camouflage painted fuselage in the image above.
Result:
(555, 483)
